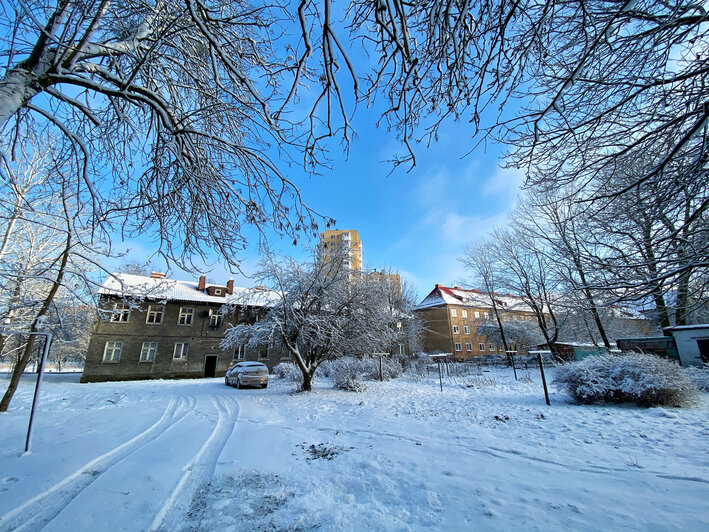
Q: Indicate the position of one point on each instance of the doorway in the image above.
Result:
(210, 366)
(703, 344)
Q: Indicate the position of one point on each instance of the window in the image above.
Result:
(456, 329)
(476, 314)
(121, 313)
(402, 349)
(482, 347)
(263, 352)
(492, 347)
(466, 329)
(112, 351)
(239, 352)
(154, 314)
(147, 353)
(215, 318)
(468, 346)
(464, 313)
(454, 313)
(180, 352)
(458, 346)
(217, 291)
(186, 316)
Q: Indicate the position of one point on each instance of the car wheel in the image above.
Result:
(238, 383)
(226, 381)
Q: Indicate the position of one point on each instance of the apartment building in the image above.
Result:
(153, 327)
(451, 317)
(339, 242)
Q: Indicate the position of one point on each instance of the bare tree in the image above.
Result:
(46, 262)
(529, 274)
(482, 262)
(324, 310)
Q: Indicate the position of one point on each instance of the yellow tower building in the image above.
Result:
(342, 241)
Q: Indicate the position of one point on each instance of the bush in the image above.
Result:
(348, 373)
(288, 372)
(647, 380)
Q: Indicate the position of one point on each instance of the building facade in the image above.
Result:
(451, 317)
(153, 327)
(342, 242)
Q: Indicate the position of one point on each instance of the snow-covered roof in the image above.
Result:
(444, 295)
(142, 287)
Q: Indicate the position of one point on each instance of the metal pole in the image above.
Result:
(381, 373)
(40, 373)
(512, 357)
(544, 380)
(440, 375)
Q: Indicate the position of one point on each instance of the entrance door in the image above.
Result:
(210, 366)
(703, 344)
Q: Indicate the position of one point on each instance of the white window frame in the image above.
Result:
(239, 352)
(121, 313)
(458, 346)
(402, 349)
(215, 318)
(464, 313)
(454, 313)
(481, 346)
(456, 329)
(115, 348)
(476, 314)
(148, 351)
(491, 347)
(186, 316)
(466, 329)
(468, 346)
(180, 351)
(153, 312)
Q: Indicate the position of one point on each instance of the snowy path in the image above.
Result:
(197, 455)
(192, 430)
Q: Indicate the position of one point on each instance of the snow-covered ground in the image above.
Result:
(197, 455)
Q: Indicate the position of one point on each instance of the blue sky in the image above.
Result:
(415, 222)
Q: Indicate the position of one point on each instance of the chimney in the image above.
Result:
(202, 283)
(439, 285)
(230, 286)
(157, 275)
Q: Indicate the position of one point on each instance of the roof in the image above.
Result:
(142, 287)
(687, 327)
(444, 295)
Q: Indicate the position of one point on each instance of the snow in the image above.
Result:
(139, 286)
(484, 454)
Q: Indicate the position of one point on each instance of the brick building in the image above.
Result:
(153, 327)
(451, 317)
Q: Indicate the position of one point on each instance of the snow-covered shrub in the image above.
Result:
(349, 373)
(391, 367)
(288, 372)
(647, 380)
(699, 375)
(416, 365)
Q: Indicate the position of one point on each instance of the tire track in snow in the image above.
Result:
(37, 512)
(200, 468)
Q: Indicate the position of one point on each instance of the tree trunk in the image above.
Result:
(307, 382)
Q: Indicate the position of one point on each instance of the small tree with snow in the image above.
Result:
(323, 310)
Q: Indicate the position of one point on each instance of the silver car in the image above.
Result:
(247, 374)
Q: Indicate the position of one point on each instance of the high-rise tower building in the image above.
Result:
(335, 242)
